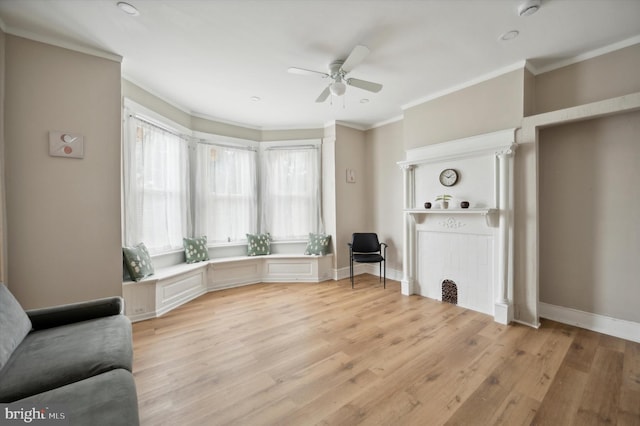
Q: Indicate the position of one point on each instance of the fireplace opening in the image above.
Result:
(449, 292)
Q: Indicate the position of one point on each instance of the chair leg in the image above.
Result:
(385, 274)
(351, 271)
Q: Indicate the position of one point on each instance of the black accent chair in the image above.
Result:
(365, 248)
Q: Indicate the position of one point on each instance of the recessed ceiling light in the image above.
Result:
(509, 35)
(255, 98)
(128, 8)
(364, 101)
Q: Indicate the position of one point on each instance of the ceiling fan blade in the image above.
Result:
(366, 85)
(324, 95)
(356, 56)
(302, 71)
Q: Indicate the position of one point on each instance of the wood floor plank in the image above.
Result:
(535, 381)
(480, 407)
(517, 409)
(629, 407)
(602, 390)
(562, 401)
(302, 354)
(631, 369)
(583, 349)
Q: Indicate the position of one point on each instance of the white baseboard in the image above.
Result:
(623, 329)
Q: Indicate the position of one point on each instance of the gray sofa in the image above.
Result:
(73, 360)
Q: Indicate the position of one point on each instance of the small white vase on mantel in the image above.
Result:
(444, 204)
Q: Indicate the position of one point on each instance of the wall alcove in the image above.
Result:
(588, 214)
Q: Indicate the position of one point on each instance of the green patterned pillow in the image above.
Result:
(318, 244)
(138, 261)
(258, 244)
(195, 249)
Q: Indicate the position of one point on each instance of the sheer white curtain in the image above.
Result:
(226, 193)
(156, 181)
(291, 199)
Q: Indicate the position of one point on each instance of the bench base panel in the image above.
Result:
(170, 288)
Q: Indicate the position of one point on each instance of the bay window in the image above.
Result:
(178, 183)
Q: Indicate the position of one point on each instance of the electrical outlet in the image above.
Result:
(138, 310)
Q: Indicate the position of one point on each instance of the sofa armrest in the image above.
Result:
(75, 312)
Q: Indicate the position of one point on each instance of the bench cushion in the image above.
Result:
(47, 359)
(108, 399)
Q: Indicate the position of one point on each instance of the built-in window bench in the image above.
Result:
(175, 284)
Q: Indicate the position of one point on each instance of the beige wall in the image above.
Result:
(291, 134)
(589, 210)
(607, 76)
(353, 211)
(529, 93)
(492, 105)
(383, 149)
(63, 214)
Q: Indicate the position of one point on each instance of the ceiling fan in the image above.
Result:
(338, 71)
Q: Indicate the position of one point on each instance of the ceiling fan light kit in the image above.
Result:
(338, 71)
(337, 88)
(529, 7)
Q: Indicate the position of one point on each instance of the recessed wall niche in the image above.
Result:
(588, 206)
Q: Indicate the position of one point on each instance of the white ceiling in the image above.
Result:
(210, 58)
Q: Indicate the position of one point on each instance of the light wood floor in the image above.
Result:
(305, 354)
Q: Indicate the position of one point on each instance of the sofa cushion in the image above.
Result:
(54, 357)
(14, 323)
(107, 399)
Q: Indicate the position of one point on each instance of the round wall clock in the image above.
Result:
(448, 177)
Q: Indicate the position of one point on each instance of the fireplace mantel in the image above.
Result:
(479, 211)
(490, 155)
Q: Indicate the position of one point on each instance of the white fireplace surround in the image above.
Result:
(474, 246)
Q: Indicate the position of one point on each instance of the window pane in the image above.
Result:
(227, 195)
(157, 201)
(291, 193)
